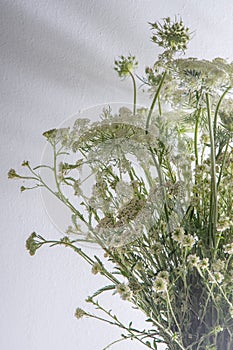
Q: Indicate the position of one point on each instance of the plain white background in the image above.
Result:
(57, 58)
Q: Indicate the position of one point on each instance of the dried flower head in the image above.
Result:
(12, 174)
(31, 244)
(79, 313)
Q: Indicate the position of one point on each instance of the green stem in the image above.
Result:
(161, 181)
(85, 257)
(223, 162)
(172, 313)
(220, 288)
(117, 322)
(213, 195)
(157, 165)
(154, 101)
(59, 195)
(134, 93)
(159, 105)
(118, 341)
(148, 306)
(196, 137)
(67, 244)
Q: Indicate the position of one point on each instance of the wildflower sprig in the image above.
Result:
(125, 66)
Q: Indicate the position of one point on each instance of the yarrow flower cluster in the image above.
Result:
(32, 244)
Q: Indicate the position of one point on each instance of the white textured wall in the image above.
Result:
(57, 57)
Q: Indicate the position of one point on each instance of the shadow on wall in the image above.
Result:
(58, 49)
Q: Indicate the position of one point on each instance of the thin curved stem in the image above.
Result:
(118, 341)
(154, 101)
(134, 93)
(117, 323)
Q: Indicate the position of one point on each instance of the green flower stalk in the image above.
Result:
(125, 66)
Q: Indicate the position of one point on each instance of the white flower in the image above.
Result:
(204, 264)
(231, 311)
(193, 259)
(124, 291)
(81, 124)
(228, 248)
(164, 275)
(178, 235)
(223, 225)
(218, 277)
(218, 265)
(160, 285)
(124, 190)
(188, 241)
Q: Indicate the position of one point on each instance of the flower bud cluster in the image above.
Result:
(124, 66)
(171, 35)
(79, 313)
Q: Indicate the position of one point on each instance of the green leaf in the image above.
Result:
(104, 289)
(123, 273)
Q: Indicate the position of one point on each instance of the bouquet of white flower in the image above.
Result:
(161, 201)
